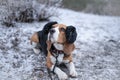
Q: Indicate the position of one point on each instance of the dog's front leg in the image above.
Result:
(61, 75)
(72, 70)
(51, 65)
(36, 50)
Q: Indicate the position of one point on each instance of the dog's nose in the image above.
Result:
(52, 31)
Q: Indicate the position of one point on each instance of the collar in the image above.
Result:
(55, 52)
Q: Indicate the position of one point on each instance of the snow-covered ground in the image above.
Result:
(96, 57)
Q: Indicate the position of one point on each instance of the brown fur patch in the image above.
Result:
(34, 38)
(68, 48)
(68, 58)
(48, 62)
(60, 26)
(61, 36)
(48, 45)
(55, 25)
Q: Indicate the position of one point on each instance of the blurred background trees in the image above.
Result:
(102, 7)
(40, 10)
(12, 11)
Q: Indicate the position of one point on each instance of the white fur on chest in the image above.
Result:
(58, 46)
(59, 58)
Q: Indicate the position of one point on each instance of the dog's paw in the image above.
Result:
(62, 75)
(37, 51)
(73, 73)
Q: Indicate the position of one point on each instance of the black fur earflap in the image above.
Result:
(48, 26)
(71, 34)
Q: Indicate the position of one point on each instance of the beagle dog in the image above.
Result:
(60, 44)
(57, 43)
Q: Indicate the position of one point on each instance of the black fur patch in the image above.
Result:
(43, 34)
(71, 34)
(48, 26)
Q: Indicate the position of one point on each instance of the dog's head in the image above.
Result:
(57, 33)
(60, 33)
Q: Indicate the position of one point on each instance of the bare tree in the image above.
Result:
(29, 10)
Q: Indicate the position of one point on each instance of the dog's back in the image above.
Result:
(38, 39)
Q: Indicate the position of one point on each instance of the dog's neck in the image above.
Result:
(58, 46)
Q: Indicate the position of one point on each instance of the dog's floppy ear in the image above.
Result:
(48, 45)
(48, 26)
(71, 34)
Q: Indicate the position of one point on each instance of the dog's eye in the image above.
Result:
(53, 26)
(62, 29)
